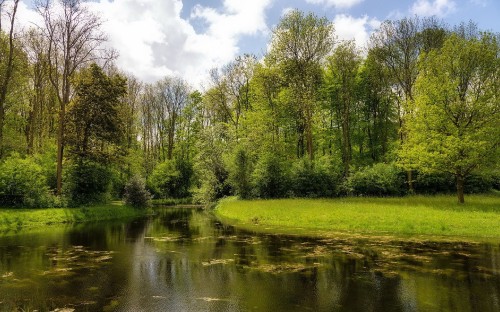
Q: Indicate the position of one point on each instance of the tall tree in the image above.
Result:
(8, 67)
(453, 126)
(174, 94)
(342, 72)
(40, 109)
(397, 44)
(74, 39)
(377, 112)
(96, 126)
(299, 45)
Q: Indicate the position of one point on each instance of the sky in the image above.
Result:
(157, 38)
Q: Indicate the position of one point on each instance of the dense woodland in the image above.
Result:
(417, 111)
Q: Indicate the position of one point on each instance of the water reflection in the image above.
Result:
(185, 260)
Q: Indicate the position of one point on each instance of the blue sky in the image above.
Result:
(187, 38)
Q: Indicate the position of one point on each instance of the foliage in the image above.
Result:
(88, 182)
(240, 174)
(136, 194)
(211, 170)
(172, 179)
(271, 178)
(314, 179)
(377, 180)
(453, 126)
(96, 125)
(22, 183)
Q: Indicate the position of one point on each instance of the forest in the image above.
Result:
(415, 112)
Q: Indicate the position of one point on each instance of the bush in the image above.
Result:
(240, 174)
(378, 180)
(172, 179)
(88, 182)
(136, 194)
(23, 184)
(314, 179)
(434, 183)
(437, 182)
(270, 177)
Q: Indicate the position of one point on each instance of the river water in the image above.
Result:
(185, 260)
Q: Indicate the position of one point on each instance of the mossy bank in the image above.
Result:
(413, 216)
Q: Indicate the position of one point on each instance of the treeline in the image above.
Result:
(415, 112)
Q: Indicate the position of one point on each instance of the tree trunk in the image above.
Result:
(460, 188)
(409, 176)
(60, 149)
(2, 121)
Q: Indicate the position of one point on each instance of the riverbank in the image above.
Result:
(15, 219)
(435, 216)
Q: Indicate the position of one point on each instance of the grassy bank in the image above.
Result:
(479, 217)
(11, 219)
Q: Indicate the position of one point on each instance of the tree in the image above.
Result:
(173, 94)
(94, 117)
(299, 45)
(74, 40)
(8, 68)
(342, 71)
(453, 126)
(377, 113)
(41, 96)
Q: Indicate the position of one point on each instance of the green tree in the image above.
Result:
(342, 72)
(7, 67)
(453, 126)
(74, 40)
(299, 45)
(97, 128)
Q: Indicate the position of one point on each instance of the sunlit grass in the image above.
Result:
(22, 218)
(413, 215)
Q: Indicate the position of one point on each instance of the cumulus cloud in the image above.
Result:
(352, 28)
(437, 7)
(153, 40)
(341, 4)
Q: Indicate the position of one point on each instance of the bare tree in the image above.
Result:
(7, 76)
(74, 40)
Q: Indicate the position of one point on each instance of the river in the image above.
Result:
(185, 260)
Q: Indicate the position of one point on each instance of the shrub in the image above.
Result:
(22, 183)
(434, 183)
(438, 182)
(314, 179)
(172, 179)
(270, 177)
(136, 194)
(88, 182)
(240, 172)
(377, 180)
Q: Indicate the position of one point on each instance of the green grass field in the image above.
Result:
(13, 219)
(479, 217)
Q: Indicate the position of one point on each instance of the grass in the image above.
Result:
(479, 217)
(15, 219)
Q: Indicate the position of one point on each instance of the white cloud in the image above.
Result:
(153, 40)
(437, 7)
(359, 29)
(341, 4)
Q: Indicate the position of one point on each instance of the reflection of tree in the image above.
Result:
(241, 271)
